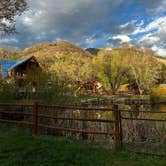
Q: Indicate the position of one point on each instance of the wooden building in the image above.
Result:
(14, 70)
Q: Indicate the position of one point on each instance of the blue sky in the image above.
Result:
(92, 23)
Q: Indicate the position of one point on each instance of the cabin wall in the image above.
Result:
(20, 71)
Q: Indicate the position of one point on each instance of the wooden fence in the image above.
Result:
(116, 133)
(36, 115)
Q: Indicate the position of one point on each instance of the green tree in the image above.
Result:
(7, 91)
(73, 67)
(48, 87)
(144, 69)
(110, 67)
(163, 74)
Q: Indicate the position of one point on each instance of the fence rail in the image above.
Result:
(16, 122)
(17, 104)
(143, 119)
(76, 119)
(77, 108)
(76, 130)
(16, 113)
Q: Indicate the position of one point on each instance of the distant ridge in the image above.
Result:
(62, 47)
(93, 51)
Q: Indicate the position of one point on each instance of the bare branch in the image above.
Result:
(8, 10)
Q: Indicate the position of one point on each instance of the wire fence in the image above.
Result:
(144, 132)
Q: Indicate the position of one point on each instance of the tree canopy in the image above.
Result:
(110, 68)
(144, 69)
(132, 65)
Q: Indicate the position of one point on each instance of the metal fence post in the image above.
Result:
(35, 109)
(117, 132)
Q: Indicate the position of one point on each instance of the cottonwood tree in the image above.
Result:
(8, 10)
(110, 67)
(144, 69)
(76, 68)
(162, 79)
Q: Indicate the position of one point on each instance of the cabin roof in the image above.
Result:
(7, 65)
(20, 62)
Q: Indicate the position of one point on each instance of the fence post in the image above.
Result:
(35, 110)
(117, 132)
(121, 129)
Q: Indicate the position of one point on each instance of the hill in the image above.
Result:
(62, 47)
(8, 54)
(48, 49)
(62, 58)
(161, 59)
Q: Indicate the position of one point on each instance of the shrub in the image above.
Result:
(7, 91)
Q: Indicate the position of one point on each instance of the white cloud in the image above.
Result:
(157, 24)
(125, 25)
(8, 40)
(138, 27)
(123, 38)
(155, 33)
(90, 41)
(159, 51)
(126, 29)
(149, 39)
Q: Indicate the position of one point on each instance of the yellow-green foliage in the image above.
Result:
(110, 68)
(162, 60)
(72, 66)
(8, 54)
(158, 94)
(63, 59)
(144, 69)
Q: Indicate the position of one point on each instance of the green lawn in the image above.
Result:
(19, 148)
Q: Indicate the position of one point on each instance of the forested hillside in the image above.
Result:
(135, 66)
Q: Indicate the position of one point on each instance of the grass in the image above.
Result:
(19, 148)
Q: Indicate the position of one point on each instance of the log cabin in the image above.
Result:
(15, 71)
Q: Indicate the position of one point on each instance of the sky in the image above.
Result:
(92, 23)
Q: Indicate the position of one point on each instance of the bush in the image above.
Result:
(7, 91)
(46, 87)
